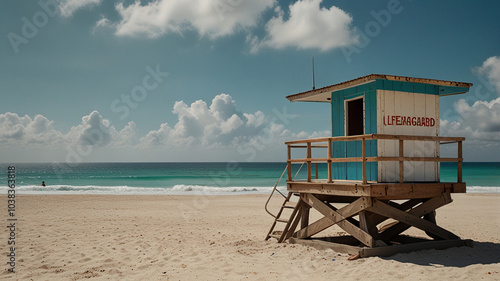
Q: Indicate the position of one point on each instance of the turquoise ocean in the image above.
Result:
(193, 178)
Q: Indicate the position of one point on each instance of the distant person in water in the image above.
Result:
(43, 183)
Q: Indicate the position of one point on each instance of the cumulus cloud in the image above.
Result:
(93, 131)
(68, 7)
(479, 123)
(24, 130)
(491, 70)
(221, 125)
(308, 26)
(202, 126)
(126, 136)
(209, 18)
(217, 125)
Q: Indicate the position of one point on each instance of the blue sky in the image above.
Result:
(173, 80)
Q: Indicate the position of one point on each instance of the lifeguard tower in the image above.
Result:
(383, 168)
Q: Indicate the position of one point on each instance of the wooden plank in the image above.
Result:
(407, 190)
(302, 160)
(410, 219)
(304, 219)
(378, 136)
(316, 170)
(313, 228)
(330, 162)
(338, 190)
(313, 146)
(295, 222)
(330, 176)
(365, 223)
(288, 163)
(407, 248)
(431, 216)
(343, 138)
(323, 245)
(342, 222)
(308, 156)
(363, 142)
(387, 191)
(290, 220)
(405, 206)
(289, 170)
(458, 188)
(429, 159)
(416, 138)
(423, 209)
(375, 159)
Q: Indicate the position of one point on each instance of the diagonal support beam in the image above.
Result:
(293, 217)
(405, 206)
(293, 226)
(325, 222)
(341, 219)
(411, 218)
(425, 208)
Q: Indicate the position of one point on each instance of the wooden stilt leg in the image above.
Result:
(304, 220)
(432, 218)
(365, 223)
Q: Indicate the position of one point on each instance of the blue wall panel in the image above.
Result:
(338, 148)
(353, 171)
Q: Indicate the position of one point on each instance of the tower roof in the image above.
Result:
(324, 94)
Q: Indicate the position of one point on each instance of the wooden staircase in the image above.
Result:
(290, 222)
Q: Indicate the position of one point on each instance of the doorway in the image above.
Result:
(355, 117)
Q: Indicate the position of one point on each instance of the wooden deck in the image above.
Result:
(376, 190)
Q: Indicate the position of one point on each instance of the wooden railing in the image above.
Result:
(319, 143)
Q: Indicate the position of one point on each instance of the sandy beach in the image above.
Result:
(144, 237)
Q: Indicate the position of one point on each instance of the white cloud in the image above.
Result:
(309, 26)
(209, 18)
(482, 118)
(220, 125)
(93, 131)
(480, 125)
(24, 130)
(126, 136)
(491, 70)
(216, 127)
(68, 7)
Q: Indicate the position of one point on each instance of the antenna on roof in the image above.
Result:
(314, 86)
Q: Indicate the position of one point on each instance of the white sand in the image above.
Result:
(72, 237)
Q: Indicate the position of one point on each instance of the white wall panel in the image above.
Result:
(394, 109)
